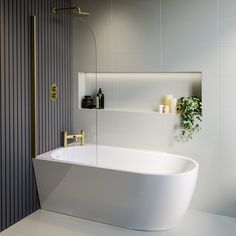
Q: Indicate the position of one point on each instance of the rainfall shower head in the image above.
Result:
(76, 11)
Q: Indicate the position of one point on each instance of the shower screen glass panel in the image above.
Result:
(84, 59)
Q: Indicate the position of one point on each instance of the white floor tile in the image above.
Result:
(48, 223)
(10, 232)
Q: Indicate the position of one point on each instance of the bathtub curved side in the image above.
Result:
(125, 199)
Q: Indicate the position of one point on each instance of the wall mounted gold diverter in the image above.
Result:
(54, 92)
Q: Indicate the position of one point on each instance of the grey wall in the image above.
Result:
(18, 196)
(54, 67)
(175, 35)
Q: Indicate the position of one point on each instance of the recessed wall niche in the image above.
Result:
(138, 92)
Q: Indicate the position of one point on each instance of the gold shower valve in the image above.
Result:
(54, 92)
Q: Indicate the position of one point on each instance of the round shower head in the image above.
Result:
(81, 14)
(77, 12)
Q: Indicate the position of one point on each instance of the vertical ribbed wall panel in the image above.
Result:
(18, 195)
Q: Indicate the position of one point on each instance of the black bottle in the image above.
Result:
(101, 99)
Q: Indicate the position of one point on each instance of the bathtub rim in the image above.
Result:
(47, 157)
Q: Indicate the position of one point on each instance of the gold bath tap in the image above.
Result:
(75, 137)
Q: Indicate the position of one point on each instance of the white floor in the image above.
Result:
(45, 223)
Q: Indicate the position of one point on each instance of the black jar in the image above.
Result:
(87, 102)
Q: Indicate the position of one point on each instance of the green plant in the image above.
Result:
(190, 110)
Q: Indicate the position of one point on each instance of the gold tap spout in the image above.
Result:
(75, 137)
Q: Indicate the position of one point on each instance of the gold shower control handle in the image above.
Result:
(54, 92)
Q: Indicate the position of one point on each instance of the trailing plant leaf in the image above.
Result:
(190, 110)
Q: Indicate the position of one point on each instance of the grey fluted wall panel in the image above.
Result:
(54, 33)
(18, 195)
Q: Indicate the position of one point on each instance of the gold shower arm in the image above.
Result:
(54, 10)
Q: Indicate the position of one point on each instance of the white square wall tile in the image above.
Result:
(87, 61)
(103, 36)
(135, 10)
(208, 178)
(210, 92)
(227, 94)
(106, 120)
(136, 25)
(228, 127)
(132, 139)
(138, 61)
(136, 36)
(228, 61)
(211, 201)
(228, 31)
(228, 161)
(227, 7)
(82, 38)
(104, 61)
(191, 34)
(189, 9)
(98, 23)
(206, 140)
(181, 59)
(188, 49)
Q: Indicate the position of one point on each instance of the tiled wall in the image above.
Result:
(18, 197)
(174, 35)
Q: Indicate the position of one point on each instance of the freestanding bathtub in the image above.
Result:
(131, 188)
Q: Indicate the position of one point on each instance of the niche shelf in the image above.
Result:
(137, 92)
(126, 110)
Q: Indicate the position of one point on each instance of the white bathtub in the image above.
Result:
(130, 188)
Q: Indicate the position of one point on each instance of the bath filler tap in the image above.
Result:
(75, 137)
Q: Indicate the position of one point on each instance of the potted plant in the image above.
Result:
(190, 110)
